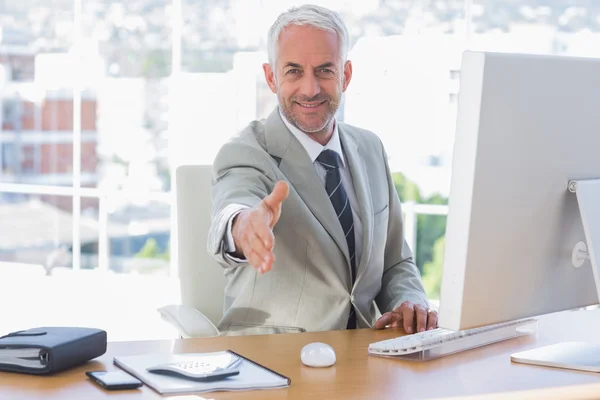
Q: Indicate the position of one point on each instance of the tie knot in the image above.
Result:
(329, 159)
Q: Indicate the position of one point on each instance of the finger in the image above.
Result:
(258, 264)
(383, 321)
(263, 231)
(268, 264)
(432, 320)
(421, 316)
(265, 256)
(253, 257)
(278, 195)
(396, 319)
(408, 315)
(254, 260)
(391, 319)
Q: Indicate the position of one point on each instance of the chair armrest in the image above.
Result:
(188, 321)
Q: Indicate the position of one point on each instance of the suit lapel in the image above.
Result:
(297, 167)
(363, 194)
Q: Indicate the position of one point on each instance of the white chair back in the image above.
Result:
(202, 279)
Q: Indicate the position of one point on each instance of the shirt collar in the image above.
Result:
(313, 148)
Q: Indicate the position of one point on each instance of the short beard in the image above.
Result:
(288, 111)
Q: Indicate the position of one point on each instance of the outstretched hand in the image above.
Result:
(252, 229)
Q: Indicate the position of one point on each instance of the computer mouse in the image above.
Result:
(317, 355)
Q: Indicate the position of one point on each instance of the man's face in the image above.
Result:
(308, 77)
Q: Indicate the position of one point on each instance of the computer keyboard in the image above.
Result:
(446, 341)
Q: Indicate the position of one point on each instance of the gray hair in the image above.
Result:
(311, 15)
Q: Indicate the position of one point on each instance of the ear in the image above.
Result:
(270, 77)
(347, 75)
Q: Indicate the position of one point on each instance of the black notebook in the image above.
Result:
(46, 350)
(251, 375)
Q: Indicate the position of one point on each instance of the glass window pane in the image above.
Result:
(404, 85)
(210, 36)
(139, 235)
(221, 88)
(36, 116)
(558, 28)
(431, 240)
(36, 233)
(35, 261)
(128, 47)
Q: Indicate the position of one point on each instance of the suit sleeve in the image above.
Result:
(242, 176)
(401, 279)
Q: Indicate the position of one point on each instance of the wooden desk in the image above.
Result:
(356, 375)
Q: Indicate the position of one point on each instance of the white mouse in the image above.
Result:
(317, 355)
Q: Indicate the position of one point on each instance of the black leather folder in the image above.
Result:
(46, 350)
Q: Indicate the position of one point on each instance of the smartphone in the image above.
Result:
(114, 380)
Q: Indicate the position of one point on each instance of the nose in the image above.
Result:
(310, 86)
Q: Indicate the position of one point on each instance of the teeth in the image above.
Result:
(310, 105)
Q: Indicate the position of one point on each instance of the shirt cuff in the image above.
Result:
(229, 242)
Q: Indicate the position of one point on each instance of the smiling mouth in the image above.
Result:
(310, 105)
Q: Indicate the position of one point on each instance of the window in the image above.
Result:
(102, 100)
(84, 178)
(551, 27)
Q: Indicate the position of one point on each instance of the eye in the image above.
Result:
(293, 71)
(326, 71)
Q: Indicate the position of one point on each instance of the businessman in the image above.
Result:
(306, 219)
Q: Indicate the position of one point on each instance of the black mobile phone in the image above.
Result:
(114, 380)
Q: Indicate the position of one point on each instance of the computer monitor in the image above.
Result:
(516, 235)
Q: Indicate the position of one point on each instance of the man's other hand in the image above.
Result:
(252, 229)
(412, 317)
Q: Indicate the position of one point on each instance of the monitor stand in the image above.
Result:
(588, 197)
(574, 355)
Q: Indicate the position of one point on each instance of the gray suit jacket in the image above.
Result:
(310, 286)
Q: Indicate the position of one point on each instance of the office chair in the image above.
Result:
(201, 277)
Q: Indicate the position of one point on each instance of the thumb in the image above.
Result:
(278, 195)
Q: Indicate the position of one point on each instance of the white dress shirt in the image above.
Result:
(314, 149)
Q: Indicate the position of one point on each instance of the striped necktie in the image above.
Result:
(331, 161)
